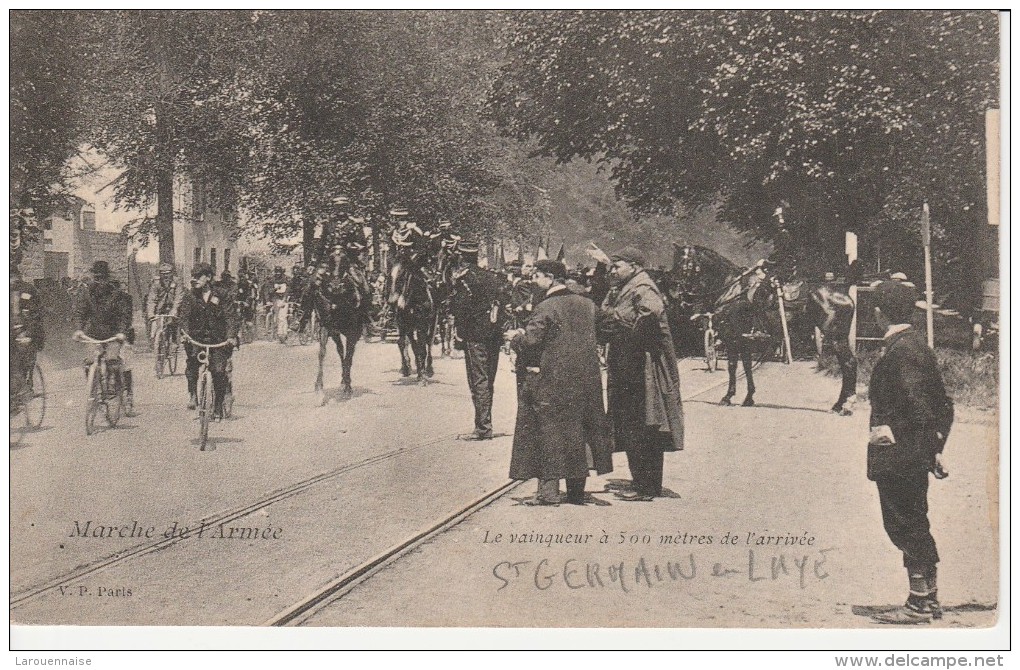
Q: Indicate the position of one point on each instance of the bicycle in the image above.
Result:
(30, 401)
(166, 349)
(205, 392)
(105, 386)
(711, 341)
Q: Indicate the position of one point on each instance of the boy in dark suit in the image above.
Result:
(910, 420)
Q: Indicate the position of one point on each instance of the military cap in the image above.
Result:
(341, 200)
(166, 267)
(201, 269)
(398, 211)
(513, 265)
(550, 267)
(101, 269)
(896, 300)
(631, 254)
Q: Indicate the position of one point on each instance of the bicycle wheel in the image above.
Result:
(711, 353)
(161, 350)
(93, 398)
(35, 403)
(114, 382)
(205, 407)
(173, 350)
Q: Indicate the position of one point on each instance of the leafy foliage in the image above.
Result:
(848, 118)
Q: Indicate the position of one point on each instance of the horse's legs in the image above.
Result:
(405, 357)
(348, 359)
(731, 368)
(428, 349)
(745, 357)
(323, 339)
(848, 370)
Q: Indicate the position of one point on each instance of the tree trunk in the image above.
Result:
(164, 189)
(308, 237)
(376, 252)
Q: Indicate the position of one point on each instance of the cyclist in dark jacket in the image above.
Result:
(101, 312)
(27, 333)
(208, 317)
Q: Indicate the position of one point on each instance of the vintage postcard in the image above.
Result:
(612, 320)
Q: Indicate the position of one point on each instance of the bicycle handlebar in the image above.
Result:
(698, 316)
(202, 344)
(162, 316)
(88, 340)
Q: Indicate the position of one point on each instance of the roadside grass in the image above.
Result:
(971, 378)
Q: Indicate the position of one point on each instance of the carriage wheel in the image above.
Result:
(93, 398)
(114, 395)
(35, 401)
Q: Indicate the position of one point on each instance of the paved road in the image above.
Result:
(328, 483)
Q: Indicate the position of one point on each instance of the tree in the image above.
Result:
(163, 96)
(848, 118)
(45, 108)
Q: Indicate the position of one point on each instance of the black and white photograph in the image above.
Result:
(610, 319)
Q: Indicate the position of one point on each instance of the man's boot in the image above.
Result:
(933, 592)
(129, 392)
(917, 609)
(192, 400)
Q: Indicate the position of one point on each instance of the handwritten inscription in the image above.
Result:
(574, 574)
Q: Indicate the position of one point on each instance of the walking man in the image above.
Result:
(643, 386)
(561, 422)
(475, 303)
(911, 416)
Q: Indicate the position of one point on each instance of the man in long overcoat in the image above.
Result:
(643, 386)
(561, 431)
(911, 416)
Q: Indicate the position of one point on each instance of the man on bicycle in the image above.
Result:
(164, 299)
(27, 333)
(207, 316)
(103, 313)
(126, 306)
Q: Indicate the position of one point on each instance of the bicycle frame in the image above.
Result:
(99, 386)
(205, 391)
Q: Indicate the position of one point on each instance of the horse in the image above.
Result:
(342, 314)
(745, 302)
(414, 300)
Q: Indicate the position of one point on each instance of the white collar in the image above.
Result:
(895, 328)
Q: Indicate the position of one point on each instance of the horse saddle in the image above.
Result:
(792, 290)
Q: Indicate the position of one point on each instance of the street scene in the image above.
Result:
(507, 319)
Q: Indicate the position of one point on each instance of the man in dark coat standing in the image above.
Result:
(644, 386)
(562, 431)
(911, 416)
(475, 303)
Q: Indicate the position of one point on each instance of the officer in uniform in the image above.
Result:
(475, 303)
(27, 335)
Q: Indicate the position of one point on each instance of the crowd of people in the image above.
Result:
(555, 323)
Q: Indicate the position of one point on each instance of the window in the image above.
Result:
(198, 255)
(212, 258)
(226, 259)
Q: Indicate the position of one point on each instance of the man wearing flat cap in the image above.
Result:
(475, 303)
(561, 431)
(911, 416)
(643, 386)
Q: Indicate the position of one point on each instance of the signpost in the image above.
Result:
(926, 241)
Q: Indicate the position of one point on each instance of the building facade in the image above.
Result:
(203, 233)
